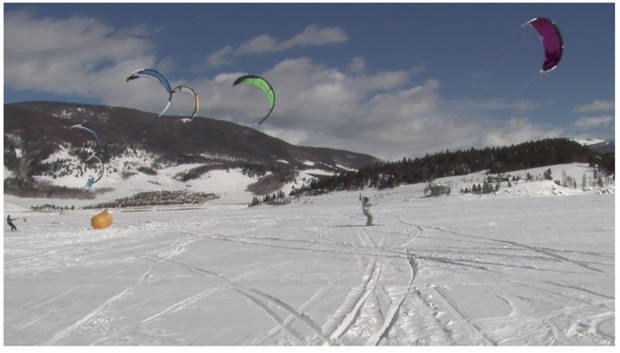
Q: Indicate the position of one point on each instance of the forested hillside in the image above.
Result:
(496, 160)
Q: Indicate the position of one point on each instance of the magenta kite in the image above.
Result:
(551, 39)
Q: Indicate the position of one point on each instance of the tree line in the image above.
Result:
(496, 160)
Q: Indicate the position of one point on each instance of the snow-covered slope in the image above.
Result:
(539, 187)
(123, 178)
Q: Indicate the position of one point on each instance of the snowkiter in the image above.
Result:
(90, 182)
(9, 221)
(366, 209)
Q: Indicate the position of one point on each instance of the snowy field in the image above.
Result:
(532, 265)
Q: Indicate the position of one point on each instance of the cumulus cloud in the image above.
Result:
(594, 122)
(493, 104)
(517, 130)
(357, 65)
(166, 64)
(418, 69)
(220, 57)
(383, 114)
(291, 136)
(311, 36)
(387, 114)
(78, 55)
(260, 44)
(597, 105)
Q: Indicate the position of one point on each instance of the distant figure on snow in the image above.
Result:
(9, 221)
(90, 182)
(25, 219)
(366, 208)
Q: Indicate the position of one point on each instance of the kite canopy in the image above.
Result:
(102, 169)
(184, 88)
(551, 40)
(155, 75)
(97, 143)
(263, 85)
(91, 179)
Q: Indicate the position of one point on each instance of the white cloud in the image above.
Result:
(357, 64)
(418, 69)
(220, 57)
(78, 55)
(493, 104)
(518, 130)
(594, 122)
(260, 44)
(136, 31)
(385, 114)
(597, 105)
(311, 36)
(291, 136)
(166, 64)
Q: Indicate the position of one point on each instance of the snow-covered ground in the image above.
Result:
(533, 264)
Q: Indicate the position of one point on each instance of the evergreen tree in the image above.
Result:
(564, 179)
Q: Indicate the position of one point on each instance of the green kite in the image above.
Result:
(263, 85)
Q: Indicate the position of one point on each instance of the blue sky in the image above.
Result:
(391, 80)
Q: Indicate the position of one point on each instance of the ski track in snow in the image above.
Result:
(476, 330)
(391, 314)
(54, 309)
(316, 297)
(201, 295)
(365, 312)
(244, 293)
(341, 320)
(175, 250)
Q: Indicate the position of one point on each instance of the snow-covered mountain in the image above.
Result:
(604, 147)
(598, 145)
(587, 141)
(141, 153)
(39, 129)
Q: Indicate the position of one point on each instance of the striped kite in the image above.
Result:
(155, 75)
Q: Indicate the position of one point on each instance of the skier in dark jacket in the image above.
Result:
(9, 221)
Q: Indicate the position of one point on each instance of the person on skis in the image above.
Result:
(366, 209)
(90, 182)
(9, 221)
